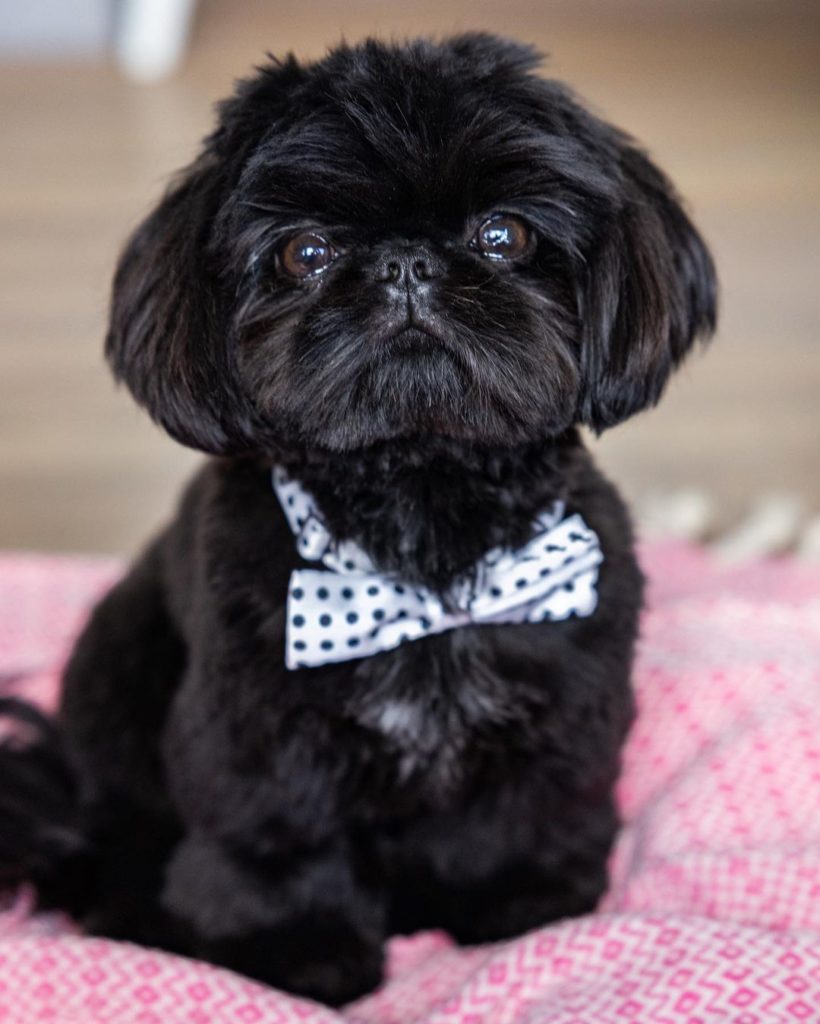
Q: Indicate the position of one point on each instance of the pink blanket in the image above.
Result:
(714, 910)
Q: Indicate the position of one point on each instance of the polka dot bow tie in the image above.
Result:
(351, 610)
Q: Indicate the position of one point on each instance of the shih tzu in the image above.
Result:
(374, 676)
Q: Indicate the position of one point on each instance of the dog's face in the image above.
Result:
(407, 242)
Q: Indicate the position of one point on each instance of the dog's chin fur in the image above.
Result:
(200, 797)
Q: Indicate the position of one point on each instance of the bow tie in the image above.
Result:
(350, 610)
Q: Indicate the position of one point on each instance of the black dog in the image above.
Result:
(401, 277)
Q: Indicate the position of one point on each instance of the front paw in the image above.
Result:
(495, 914)
(325, 960)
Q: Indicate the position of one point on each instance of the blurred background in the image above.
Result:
(100, 101)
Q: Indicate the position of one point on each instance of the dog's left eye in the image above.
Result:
(502, 237)
(306, 255)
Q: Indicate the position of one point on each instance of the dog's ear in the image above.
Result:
(165, 330)
(168, 328)
(647, 292)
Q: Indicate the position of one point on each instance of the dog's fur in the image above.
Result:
(285, 822)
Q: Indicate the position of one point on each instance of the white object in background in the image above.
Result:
(809, 546)
(54, 29)
(151, 37)
(678, 515)
(772, 527)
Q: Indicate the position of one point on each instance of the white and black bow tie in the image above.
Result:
(351, 610)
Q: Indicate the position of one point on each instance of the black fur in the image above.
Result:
(284, 823)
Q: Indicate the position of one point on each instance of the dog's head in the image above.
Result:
(407, 241)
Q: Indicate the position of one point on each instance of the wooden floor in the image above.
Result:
(728, 105)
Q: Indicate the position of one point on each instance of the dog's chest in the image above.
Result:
(428, 743)
(434, 727)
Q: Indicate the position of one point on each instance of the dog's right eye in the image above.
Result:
(306, 255)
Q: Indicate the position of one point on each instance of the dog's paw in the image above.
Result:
(493, 917)
(325, 961)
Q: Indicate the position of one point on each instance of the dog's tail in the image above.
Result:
(42, 840)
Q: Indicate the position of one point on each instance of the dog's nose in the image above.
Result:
(408, 266)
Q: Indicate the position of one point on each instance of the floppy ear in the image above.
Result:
(168, 336)
(647, 293)
(164, 339)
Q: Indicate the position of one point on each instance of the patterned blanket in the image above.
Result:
(714, 908)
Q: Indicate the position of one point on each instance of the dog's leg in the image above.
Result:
(307, 924)
(117, 690)
(118, 687)
(504, 866)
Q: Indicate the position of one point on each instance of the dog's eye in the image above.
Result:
(306, 255)
(502, 237)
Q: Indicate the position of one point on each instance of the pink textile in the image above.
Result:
(714, 910)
